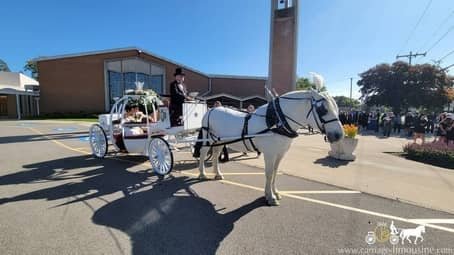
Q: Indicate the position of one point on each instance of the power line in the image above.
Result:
(441, 38)
(451, 52)
(416, 26)
(436, 30)
(446, 68)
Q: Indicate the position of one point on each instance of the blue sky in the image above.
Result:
(337, 38)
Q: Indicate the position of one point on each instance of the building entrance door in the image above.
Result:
(3, 106)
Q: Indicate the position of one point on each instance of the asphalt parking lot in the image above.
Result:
(57, 199)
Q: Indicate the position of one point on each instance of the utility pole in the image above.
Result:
(411, 55)
(351, 84)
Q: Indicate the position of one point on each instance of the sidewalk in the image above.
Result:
(374, 171)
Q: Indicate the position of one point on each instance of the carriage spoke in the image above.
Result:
(98, 141)
(160, 156)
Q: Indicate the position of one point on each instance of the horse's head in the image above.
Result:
(320, 112)
(422, 228)
(324, 116)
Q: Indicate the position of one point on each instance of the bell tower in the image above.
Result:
(283, 45)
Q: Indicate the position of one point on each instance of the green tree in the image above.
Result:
(4, 67)
(304, 84)
(343, 101)
(401, 86)
(32, 67)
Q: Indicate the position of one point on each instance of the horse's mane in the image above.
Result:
(329, 99)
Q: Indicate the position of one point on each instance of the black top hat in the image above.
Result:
(178, 71)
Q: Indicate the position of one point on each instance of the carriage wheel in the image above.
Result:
(161, 157)
(98, 141)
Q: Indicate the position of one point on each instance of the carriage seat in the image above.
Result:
(135, 132)
(141, 136)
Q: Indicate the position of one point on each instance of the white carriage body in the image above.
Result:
(193, 113)
(153, 139)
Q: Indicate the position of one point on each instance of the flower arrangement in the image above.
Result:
(350, 130)
(147, 97)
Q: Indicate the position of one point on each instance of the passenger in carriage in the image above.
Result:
(134, 114)
(129, 114)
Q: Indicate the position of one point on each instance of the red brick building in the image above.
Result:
(88, 82)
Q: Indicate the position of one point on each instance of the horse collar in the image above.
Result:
(276, 120)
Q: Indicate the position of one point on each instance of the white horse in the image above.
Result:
(298, 109)
(416, 232)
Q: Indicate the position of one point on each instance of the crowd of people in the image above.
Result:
(413, 124)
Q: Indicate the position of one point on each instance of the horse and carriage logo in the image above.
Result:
(382, 233)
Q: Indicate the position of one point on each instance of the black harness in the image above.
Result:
(276, 121)
(245, 132)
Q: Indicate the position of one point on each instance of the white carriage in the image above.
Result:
(153, 136)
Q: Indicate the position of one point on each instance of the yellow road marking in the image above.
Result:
(79, 149)
(316, 201)
(321, 192)
(59, 143)
(348, 208)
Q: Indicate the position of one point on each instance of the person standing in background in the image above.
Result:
(397, 123)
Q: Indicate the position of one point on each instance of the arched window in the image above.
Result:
(124, 73)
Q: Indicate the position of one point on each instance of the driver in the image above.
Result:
(178, 94)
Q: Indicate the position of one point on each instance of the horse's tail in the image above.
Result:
(198, 144)
(202, 133)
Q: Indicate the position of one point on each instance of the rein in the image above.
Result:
(317, 114)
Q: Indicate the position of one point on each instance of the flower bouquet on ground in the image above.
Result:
(343, 149)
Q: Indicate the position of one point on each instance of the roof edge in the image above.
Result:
(98, 52)
(245, 77)
(85, 53)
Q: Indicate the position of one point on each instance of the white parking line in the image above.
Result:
(348, 208)
(435, 221)
(243, 173)
(321, 192)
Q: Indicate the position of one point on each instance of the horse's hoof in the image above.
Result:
(219, 177)
(202, 177)
(272, 202)
(278, 196)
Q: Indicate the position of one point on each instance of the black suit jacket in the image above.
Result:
(177, 95)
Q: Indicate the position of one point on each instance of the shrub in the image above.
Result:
(437, 154)
(350, 130)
